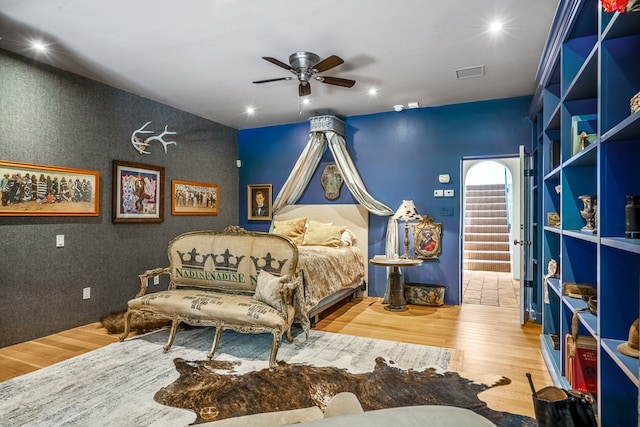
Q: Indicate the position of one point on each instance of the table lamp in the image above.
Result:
(407, 212)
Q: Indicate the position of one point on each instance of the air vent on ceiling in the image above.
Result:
(467, 73)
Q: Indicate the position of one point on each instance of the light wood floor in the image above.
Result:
(491, 338)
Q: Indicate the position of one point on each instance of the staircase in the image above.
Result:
(486, 229)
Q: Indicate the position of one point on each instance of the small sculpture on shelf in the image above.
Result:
(589, 213)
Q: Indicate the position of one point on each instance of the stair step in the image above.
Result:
(485, 237)
(487, 256)
(485, 186)
(499, 206)
(487, 246)
(485, 221)
(484, 199)
(484, 214)
(486, 229)
(477, 193)
(499, 266)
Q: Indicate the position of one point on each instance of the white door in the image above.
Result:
(524, 240)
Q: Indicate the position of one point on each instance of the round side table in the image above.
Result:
(396, 293)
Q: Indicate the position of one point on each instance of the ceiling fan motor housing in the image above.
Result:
(303, 62)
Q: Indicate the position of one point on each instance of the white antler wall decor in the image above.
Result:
(141, 145)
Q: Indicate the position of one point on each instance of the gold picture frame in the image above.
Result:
(256, 194)
(40, 190)
(427, 236)
(194, 198)
(138, 192)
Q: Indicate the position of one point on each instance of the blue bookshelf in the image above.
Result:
(592, 80)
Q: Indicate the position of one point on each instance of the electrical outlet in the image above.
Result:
(86, 293)
(448, 193)
(60, 241)
(156, 280)
(437, 193)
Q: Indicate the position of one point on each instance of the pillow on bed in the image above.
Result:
(268, 289)
(319, 234)
(347, 238)
(291, 228)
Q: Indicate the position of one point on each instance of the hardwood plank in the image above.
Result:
(491, 338)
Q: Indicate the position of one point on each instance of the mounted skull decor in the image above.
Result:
(141, 145)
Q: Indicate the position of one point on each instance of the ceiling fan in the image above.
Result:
(305, 66)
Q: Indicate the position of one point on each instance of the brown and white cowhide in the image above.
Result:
(213, 391)
(140, 322)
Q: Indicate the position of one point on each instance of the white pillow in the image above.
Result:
(348, 238)
(319, 234)
(268, 289)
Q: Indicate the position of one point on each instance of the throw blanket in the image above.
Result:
(326, 270)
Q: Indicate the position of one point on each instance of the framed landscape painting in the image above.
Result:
(194, 198)
(138, 192)
(39, 190)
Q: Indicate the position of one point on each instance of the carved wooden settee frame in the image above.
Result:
(213, 277)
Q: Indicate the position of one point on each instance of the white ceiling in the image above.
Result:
(201, 56)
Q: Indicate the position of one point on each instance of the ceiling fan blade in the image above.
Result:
(328, 63)
(277, 62)
(304, 89)
(337, 81)
(273, 80)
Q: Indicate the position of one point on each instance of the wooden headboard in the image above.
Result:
(355, 217)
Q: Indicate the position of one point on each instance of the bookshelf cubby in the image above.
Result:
(593, 78)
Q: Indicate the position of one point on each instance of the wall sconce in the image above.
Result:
(407, 212)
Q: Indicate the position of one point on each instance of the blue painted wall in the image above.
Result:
(399, 156)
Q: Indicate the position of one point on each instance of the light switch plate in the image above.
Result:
(448, 193)
(437, 193)
(60, 241)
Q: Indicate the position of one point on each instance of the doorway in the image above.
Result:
(490, 224)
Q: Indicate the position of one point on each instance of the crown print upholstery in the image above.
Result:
(223, 261)
(195, 260)
(266, 263)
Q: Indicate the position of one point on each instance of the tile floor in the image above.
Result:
(490, 288)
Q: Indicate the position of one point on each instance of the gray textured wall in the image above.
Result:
(51, 117)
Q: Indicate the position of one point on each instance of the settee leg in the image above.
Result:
(277, 339)
(127, 325)
(172, 334)
(216, 341)
(289, 335)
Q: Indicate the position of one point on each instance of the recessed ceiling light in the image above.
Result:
(39, 46)
(306, 101)
(250, 111)
(373, 91)
(496, 26)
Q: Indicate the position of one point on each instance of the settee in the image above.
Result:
(236, 279)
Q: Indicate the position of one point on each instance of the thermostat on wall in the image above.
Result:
(444, 178)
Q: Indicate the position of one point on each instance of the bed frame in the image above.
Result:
(356, 218)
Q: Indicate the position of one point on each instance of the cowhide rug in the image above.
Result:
(213, 394)
(141, 323)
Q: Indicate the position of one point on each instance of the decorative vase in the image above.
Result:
(632, 217)
(589, 213)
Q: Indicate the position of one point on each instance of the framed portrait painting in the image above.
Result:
(138, 192)
(38, 190)
(427, 238)
(259, 202)
(194, 198)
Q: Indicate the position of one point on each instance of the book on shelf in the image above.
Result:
(581, 370)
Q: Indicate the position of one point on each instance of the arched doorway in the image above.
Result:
(491, 211)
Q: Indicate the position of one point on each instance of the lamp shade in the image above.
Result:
(407, 212)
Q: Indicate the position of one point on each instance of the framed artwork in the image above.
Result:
(426, 238)
(193, 198)
(259, 202)
(38, 190)
(138, 192)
